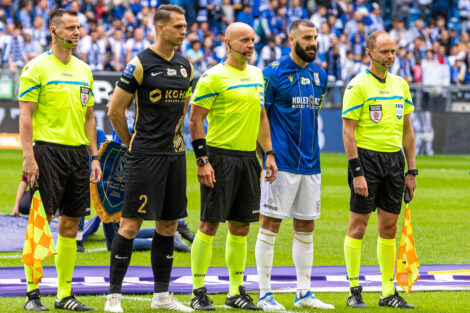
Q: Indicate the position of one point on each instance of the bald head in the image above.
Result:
(237, 29)
(378, 38)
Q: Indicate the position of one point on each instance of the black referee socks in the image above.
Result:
(121, 251)
(162, 261)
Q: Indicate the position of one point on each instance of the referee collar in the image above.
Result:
(378, 78)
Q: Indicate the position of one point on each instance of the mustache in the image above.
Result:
(311, 48)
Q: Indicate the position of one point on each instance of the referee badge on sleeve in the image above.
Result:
(84, 95)
(375, 112)
(399, 110)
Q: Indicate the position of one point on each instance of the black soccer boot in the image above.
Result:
(201, 301)
(355, 299)
(71, 304)
(34, 302)
(241, 301)
(395, 301)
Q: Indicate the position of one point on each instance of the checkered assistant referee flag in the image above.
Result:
(38, 243)
(406, 271)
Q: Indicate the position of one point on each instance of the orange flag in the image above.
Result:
(406, 271)
(38, 243)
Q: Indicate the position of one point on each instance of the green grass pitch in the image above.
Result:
(440, 214)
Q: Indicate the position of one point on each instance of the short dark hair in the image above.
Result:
(163, 12)
(372, 39)
(295, 25)
(58, 13)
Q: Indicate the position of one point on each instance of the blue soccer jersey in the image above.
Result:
(293, 98)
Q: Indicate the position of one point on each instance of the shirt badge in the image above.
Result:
(183, 72)
(129, 71)
(375, 112)
(399, 110)
(170, 71)
(291, 78)
(316, 78)
(305, 81)
(84, 95)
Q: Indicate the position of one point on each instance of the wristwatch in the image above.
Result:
(270, 152)
(96, 158)
(413, 172)
(202, 161)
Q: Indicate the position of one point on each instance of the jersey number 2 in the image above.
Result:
(141, 208)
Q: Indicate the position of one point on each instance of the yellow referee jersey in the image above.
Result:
(234, 99)
(62, 93)
(379, 109)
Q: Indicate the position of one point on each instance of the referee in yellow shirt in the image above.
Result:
(231, 96)
(376, 127)
(56, 113)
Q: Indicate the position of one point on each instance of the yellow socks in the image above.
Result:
(65, 263)
(201, 254)
(386, 255)
(352, 255)
(235, 257)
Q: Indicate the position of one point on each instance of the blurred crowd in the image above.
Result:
(433, 42)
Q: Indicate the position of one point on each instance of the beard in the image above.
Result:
(302, 53)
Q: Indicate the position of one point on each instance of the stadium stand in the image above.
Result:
(114, 31)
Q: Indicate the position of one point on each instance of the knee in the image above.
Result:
(209, 228)
(271, 224)
(128, 230)
(357, 230)
(303, 226)
(388, 232)
(166, 228)
(239, 229)
(68, 226)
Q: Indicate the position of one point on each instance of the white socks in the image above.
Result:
(302, 254)
(264, 253)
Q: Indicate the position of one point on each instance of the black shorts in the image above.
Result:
(155, 187)
(384, 173)
(236, 192)
(64, 179)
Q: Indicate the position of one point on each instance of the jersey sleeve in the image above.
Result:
(132, 76)
(409, 106)
(91, 96)
(353, 101)
(30, 83)
(206, 90)
(268, 87)
(324, 88)
(190, 89)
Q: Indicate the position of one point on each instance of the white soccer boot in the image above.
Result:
(268, 303)
(113, 303)
(166, 301)
(310, 301)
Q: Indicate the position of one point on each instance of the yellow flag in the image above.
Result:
(406, 271)
(38, 243)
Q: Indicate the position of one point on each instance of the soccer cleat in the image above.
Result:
(80, 246)
(180, 245)
(71, 304)
(34, 302)
(166, 301)
(355, 299)
(201, 301)
(185, 232)
(395, 301)
(241, 301)
(268, 303)
(113, 303)
(310, 301)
